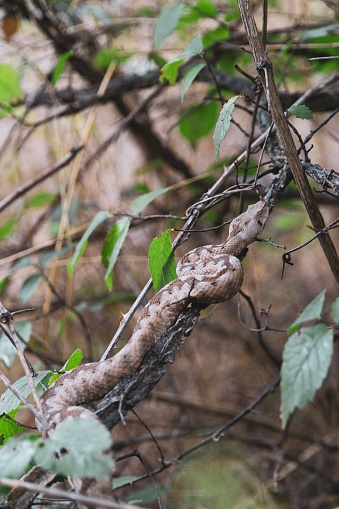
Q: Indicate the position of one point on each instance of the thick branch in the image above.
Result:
(264, 68)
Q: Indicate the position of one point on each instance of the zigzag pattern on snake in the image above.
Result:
(206, 275)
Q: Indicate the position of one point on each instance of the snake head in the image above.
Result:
(247, 227)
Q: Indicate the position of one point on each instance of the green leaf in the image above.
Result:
(218, 34)
(311, 312)
(7, 228)
(41, 200)
(142, 201)
(16, 455)
(8, 401)
(80, 455)
(10, 88)
(202, 9)
(3, 283)
(195, 47)
(60, 66)
(322, 31)
(301, 111)
(166, 22)
(170, 71)
(199, 122)
(123, 481)
(46, 258)
(53, 378)
(99, 218)
(102, 59)
(335, 310)
(7, 351)
(189, 77)
(74, 361)
(306, 359)
(29, 287)
(9, 428)
(223, 124)
(157, 59)
(161, 261)
(112, 245)
(146, 496)
(24, 262)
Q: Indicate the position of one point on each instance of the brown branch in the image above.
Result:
(265, 71)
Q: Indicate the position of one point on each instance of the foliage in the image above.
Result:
(69, 450)
(161, 261)
(306, 359)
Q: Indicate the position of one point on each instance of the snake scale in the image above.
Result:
(206, 275)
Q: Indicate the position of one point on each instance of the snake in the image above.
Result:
(206, 275)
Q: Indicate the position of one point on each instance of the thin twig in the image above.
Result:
(65, 495)
(21, 190)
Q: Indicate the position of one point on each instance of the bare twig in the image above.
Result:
(65, 495)
(21, 190)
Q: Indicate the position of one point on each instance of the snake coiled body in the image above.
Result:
(206, 275)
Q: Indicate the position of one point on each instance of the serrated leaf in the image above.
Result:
(189, 77)
(301, 111)
(311, 312)
(29, 287)
(8, 401)
(112, 245)
(99, 218)
(16, 455)
(335, 310)
(7, 351)
(74, 361)
(142, 201)
(306, 359)
(195, 47)
(10, 88)
(60, 66)
(199, 122)
(161, 261)
(81, 455)
(166, 22)
(223, 124)
(9, 428)
(170, 71)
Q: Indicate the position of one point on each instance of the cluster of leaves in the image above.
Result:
(69, 450)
